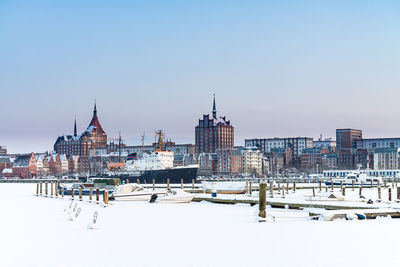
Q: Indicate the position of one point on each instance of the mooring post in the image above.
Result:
(271, 185)
(379, 193)
(168, 184)
(247, 187)
(392, 184)
(62, 191)
(390, 194)
(398, 193)
(250, 188)
(154, 184)
(371, 183)
(37, 189)
(283, 191)
(80, 193)
(91, 194)
(361, 186)
(46, 189)
(279, 186)
(332, 185)
(341, 185)
(40, 188)
(326, 188)
(51, 189)
(192, 183)
(138, 181)
(181, 183)
(97, 195)
(262, 204)
(127, 181)
(287, 184)
(294, 186)
(344, 191)
(105, 197)
(320, 186)
(385, 183)
(73, 192)
(313, 191)
(56, 188)
(352, 185)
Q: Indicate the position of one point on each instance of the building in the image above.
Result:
(329, 161)
(3, 150)
(311, 159)
(296, 144)
(207, 164)
(373, 143)
(213, 133)
(229, 162)
(346, 159)
(94, 137)
(24, 166)
(5, 163)
(279, 160)
(252, 161)
(364, 157)
(325, 143)
(346, 138)
(386, 158)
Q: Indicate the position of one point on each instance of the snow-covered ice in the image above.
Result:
(36, 231)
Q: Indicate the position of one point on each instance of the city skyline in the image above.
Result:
(277, 68)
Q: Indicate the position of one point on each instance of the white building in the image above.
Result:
(252, 162)
(386, 158)
(296, 144)
(378, 143)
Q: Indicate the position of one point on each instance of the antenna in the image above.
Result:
(142, 136)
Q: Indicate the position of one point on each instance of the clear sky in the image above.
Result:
(278, 68)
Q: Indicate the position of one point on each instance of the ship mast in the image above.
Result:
(160, 135)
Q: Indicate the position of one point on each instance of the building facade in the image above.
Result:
(373, 143)
(213, 133)
(346, 138)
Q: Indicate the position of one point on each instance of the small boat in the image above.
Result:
(135, 192)
(85, 189)
(357, 178)
(176, 197)
(224, 187)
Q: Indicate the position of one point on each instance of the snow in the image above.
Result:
(36, 231)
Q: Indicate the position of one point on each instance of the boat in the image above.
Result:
(357, 178)
(178, 196)
(134, 192)
(224, 187)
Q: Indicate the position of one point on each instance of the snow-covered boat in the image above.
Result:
(224, 187)
(135, 192)
(357, 178)
(176, 197)
(107, 184)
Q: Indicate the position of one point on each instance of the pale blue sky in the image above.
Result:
(278, 68)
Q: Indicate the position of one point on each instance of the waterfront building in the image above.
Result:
(252, 161)
(207, 164)
(311, 159)
(229, 162)
(24, 166)
(5, 163)
(325, 143)
(346, 159)
(296, 144)
(329, 161)
(372, 143)
(346, 138)
(213, 133)
(386, 158)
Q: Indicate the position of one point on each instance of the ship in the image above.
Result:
(157, 165)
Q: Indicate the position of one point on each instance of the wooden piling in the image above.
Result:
(287, 185)
(398, 193)
(181, 183)
(127, 181)
(91, 194)
(344, 191)
(62, 192)
(385, 183)
(56, 188)
(361, 186)
(271, 188)
(51, 189)
(294, 186)
(73, 193)
(352, 185)
(320, 186)
(97, 195)
(250, 188)
(262, 202)
(313, 191)
(279, 186)
(283, 191)
(105, 197)
(192, 183)
(390, 194)
(341, 185)
(40, 188)
(168, 185)
(46, 189)
(37, 189)
(80, 193)
(332, 185)
(138, 181)
(379, 193)
(154, 184)
(371, 183)
(247, 187)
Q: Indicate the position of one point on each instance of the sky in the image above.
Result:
(278, 68)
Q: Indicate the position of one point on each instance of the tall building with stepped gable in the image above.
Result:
(213, 133)
(94, 137)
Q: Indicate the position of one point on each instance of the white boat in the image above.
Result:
(357, 178)
(176, 197)
(135, 192)
(224, 187)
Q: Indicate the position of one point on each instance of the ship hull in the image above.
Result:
(160, 176)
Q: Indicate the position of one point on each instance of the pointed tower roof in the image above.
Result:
(214, 111)
(75, 131)
(94, 123)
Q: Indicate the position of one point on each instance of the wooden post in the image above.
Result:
(279, 186)
(341, 185)
(192, 183)
(352, 185)
(332, 185)
(320, 186)
(379, 193)
(294, 186)
(313, 191)
(62, 191)
(385, 183)
(398, 193)
(80, 193)
(262, 204)
(138, 181)
(283, 191)
(344, 191)
(271, 184)
(168, 184)
(127, 181)
(56, 188)
(46, 189)
(361, 186)
(97, 195)
(40, 188)
(154, 184)
(105, 197)
(392, 184)
(371, 183)
(326, 189)
(37, 189)
(51, 189)
(73, 192)
(247, 187)
(250, 189)
(181, 183)
(390, 194)
(91, 194)
(287, 184)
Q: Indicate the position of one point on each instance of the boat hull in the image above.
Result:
(145, 196)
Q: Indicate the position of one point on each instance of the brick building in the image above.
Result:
(346, 138)
(24, 166)
(213, 133)
(94, 137)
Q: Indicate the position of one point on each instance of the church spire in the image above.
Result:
(95, 110)
(214, 111)
(75, 132)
